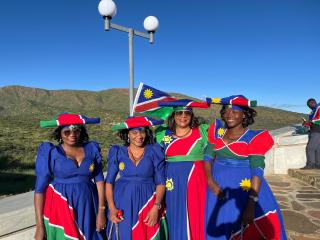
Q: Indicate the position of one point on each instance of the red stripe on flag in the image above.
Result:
(142, 107)
(59, 214)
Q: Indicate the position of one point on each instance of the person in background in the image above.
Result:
(240, 203)
(313, 145)
(136, 210)
(69, 190)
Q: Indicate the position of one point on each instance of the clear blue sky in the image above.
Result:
(268, 50)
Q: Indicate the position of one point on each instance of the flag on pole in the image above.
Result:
(146, 102)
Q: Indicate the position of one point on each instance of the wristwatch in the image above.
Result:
(254, 198)
(158, 205)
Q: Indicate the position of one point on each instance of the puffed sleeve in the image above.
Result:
(98, 173)
(43, 169)
(159, 164)
(259, 145)
(159, 133)
(113, 164)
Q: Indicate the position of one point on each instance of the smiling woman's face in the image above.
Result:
(233, 118)
(137, 137)
(182, 118)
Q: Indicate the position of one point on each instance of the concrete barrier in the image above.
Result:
(287, 153)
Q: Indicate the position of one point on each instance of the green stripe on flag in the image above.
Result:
(161, 113)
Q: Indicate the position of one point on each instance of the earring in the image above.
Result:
(128, 140)
(60, 141)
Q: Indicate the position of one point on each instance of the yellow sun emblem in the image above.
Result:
(169, 184)
(167, 139)
(220, 132)
(245, 184)
(148, 93)
(91, 167)
(121, 166)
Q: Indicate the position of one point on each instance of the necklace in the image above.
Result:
(183, 135)
(136, 159)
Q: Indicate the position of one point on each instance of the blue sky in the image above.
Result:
(267, 50)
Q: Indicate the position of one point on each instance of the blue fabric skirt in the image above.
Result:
(223, 217)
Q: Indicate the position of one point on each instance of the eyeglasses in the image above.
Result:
(68, 132)
(181, 112)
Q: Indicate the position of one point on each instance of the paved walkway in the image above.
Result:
(298, 200)
(300, 206)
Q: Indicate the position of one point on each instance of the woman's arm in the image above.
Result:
(248, 214)
(112, 208)
(152, 217)
(101, 218)
(214, 187)
(38, 209)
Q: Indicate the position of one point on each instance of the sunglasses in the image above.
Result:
(181, 112)
(68, 132)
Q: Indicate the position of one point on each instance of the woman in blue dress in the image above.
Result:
(240, 203)
(69, 190)
(139, 191)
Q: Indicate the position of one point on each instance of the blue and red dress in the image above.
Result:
(233, 166)
(186, 182)
(134, 191)
(70, 193)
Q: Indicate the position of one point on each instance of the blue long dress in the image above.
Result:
(70, 193)
(233, 166)
(134, 191)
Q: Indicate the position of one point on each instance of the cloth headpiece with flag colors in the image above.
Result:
(236, 101)
(65, 119)
(135, 122)
(184, 104)
(146, 102)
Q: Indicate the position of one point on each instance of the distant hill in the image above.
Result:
(21, 108)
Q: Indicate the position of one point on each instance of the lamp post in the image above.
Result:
(108, 9)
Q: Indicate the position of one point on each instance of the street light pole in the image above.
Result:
(107, 9)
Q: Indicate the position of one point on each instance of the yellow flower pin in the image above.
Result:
(91, 167)
(220, 132)
(167, 139)
(121, 166)
(148, 93)
(169, 184)
(245, 184)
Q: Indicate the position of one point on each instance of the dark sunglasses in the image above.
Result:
(68, 132)
(181, 112)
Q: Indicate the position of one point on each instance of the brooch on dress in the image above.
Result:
(121, 166)
(245, 184)
(167, 139)
(169, 184)
(221, 132)
(91, 167)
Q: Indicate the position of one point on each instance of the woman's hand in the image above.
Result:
(113, 216)
(216, 189)
(40, 233)
(101, 220)
(248, 213)
(152, 217)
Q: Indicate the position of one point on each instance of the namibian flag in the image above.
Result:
(146, 102)
(315, 118)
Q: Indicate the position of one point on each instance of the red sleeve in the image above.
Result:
(261, 143)
(211, 132)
